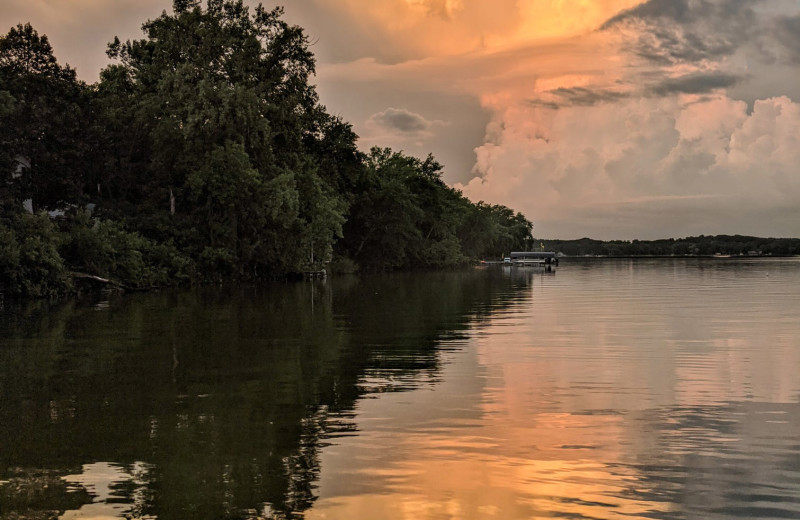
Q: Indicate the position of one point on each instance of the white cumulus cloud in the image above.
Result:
(632, 169)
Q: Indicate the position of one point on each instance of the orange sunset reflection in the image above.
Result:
(578, 402)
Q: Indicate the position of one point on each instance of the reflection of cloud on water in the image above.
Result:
(478, 492)
(734, 460)
(655, 389)
(617, 389)
(108, 485)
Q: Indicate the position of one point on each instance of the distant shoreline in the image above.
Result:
(703, 246)
(714, 257)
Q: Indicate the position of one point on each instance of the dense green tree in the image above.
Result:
(383, 224)
(30, 264)
(491, 231)
(47, 153)
(332, 143)
(104, 248)
(226, 127)
(9, 196)
(405, 216)
(205, 154)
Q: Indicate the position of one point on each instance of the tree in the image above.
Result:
(29, 261)
(46, 150)
(228, 138)
(207, 154)
(405, 216)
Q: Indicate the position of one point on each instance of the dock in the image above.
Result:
(532, 258)
(546, 259)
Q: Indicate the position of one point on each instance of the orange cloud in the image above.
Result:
(421, 29)
(609, 118)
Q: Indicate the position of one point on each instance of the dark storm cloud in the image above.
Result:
(688, 31)
(581, 96)
(577, 96)
(788, 33)
(749, 47)
(680, 31)
(677, 10)
(402, 120)
(665, 46)
(695, 84)
(687, 12)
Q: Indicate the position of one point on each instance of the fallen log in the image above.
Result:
(86, 276)
(97, 279)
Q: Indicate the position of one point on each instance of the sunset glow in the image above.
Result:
(400, 259)
(609, 119)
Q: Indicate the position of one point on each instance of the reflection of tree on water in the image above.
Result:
(226, 398)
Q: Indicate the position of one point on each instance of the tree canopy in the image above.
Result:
(203, 153)
(702, 245)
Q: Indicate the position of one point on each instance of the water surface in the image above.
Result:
(607, 389)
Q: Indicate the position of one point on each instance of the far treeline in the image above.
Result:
(203, 154)
(734, 245)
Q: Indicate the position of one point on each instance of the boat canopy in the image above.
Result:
(522, 255)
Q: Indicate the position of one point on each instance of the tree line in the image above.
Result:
(204, 154)
(734, 245)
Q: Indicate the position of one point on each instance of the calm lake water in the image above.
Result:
(609, 389)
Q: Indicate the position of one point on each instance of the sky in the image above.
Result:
(610, 119)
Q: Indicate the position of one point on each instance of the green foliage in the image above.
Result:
(206, 156)
(23, 51)
(30, 264)
(405, 216)
(104, 248)
(45, 123)
(222, 190)
(382, 229)
(8, 196)
(492, 231)
(227, 135)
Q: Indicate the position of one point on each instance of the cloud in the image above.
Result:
(398, 31)
(401, 123)
(688, 136)
(692, 31)
(696, 83)
(676, 118)
(578, 96)
(677, 10)
(401, 120)
(444, 9)
(674, 31)
(610, 118)
(693, 83)
(646, 168)
(788, 34)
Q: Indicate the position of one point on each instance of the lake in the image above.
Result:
(644, 388)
